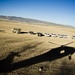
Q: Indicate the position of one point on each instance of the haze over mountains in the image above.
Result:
(28, 20)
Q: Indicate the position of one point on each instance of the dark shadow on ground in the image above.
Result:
(2, 30)
(23, 32)
(51, 55)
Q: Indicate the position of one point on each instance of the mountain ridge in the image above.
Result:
(29, 20)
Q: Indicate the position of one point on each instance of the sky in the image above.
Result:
(56, 11)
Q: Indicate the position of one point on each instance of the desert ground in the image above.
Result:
(26, 54)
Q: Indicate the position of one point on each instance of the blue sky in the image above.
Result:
(56, 11)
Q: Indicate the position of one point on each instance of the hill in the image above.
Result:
(27, 20)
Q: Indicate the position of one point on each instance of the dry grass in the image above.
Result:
(31, 45)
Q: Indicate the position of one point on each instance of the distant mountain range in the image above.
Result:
(20, 19)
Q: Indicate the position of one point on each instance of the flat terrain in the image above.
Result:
(26, 54)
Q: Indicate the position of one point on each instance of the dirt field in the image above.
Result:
(26, 54)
